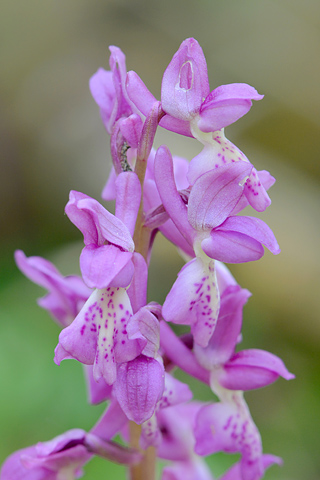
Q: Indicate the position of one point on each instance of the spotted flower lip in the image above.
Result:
(98, 335)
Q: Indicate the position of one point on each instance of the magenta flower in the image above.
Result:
(64, 301)
(98, 335)
(122, 347)
(244, 370)
(176, 424)
(63, 457)
(227, 425)
(66, 295)
(209, 226)
(193, 110)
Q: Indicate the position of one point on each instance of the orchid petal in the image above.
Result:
(224, 276)
(232, 247)
(111, 421)
(98, 391)
(175, 392)
(254, 228)
(185, 81)
(122, 106)
(215, 194)
(144, 327)
(66, 294)
(180, 355)
(100, 266)
(176, 424)
(250, 369)
(261, 181)
(111, 450)
(143, 100)
(168, 192)
(150, 433)
(138, 288)
(224, 339)
(256, 193)
(228, 427)
(226, 104)
(195, 469)
(139, 387)
(194, 300)
(96, 223)
(139, 93)
(128, 198)
(104, 94)
(109, 190)
(131, 128)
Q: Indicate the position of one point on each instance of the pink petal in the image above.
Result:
(194, 469)
(225, 105)
(128, 198)
(111, 422)
(215, 194)
(170, 197)
(250, 369)
(143, 100)
(225, 336)
(103, 91)
(144, 327)
(228, 427)
(138, 93)
(194, 300)
(138, 288)
(101, 265)
(96, 223)
(185, 81)
(109, 190)
(139, 387)
(131, 128)
(254, 228)
(175, 392)
(256, 193)
(98, 391)
(232, 247)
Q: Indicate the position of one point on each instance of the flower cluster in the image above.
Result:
(127, 345)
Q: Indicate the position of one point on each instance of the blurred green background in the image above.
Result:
(53, 141)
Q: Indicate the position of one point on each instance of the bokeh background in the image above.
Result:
(53, 141)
